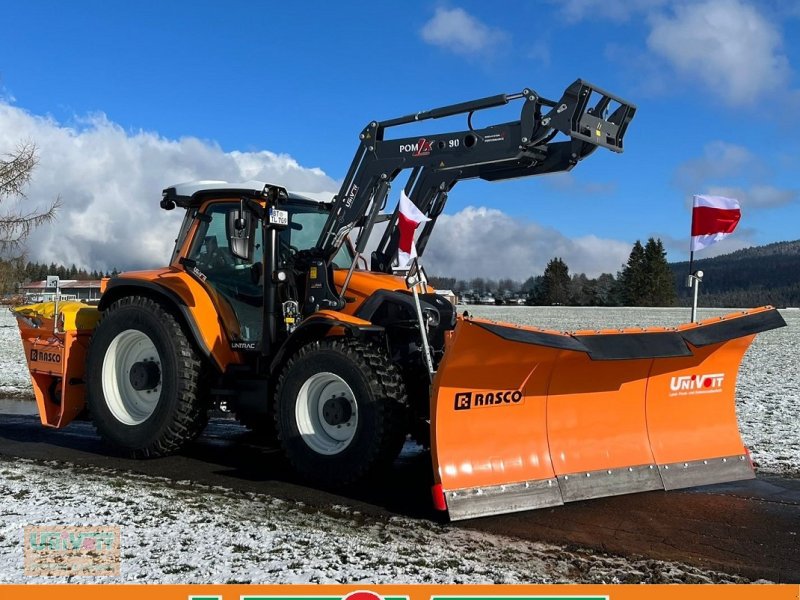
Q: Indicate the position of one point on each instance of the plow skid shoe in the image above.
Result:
(524, 418)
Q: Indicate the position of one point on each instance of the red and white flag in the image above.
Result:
(713, 218)
(408, 219)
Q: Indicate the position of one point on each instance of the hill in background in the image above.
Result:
(751, 277)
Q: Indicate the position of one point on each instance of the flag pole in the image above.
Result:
(691, 280)
(695, 278)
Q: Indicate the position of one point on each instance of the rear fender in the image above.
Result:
(202, 316)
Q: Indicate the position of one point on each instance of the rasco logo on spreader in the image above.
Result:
(684, 385)
(469, 400)
(43, 356)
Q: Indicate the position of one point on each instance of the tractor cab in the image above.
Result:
(225, 242)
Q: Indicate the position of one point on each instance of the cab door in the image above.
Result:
(236, 283)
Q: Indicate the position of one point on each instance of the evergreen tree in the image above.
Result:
(633, 278)
(604, 289)
(646, 279)
(555, 283)
(661, 287)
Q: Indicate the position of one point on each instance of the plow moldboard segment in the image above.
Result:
(524, 418)
(597, 427)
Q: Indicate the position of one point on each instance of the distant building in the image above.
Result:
(87, 290)
(450, 295)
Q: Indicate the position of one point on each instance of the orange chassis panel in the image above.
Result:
(523, 418)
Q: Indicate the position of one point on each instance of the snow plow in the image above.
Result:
(269, 309)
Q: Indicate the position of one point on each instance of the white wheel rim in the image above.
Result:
(129, 405)
(320, 435)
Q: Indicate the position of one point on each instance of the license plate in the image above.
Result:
(278, 217)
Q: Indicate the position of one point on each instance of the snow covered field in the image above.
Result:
(14, 378)
(178, 532)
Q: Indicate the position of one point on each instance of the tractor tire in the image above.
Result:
(143, 376)
(340, 411)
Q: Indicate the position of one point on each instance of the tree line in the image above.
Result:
(644, 280)
(14, 272)
(756, 276)
(34, 271)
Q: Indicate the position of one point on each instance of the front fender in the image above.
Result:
(322, 324)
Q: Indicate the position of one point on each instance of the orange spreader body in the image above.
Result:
(524, 418)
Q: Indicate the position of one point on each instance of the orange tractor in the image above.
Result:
(268, 307)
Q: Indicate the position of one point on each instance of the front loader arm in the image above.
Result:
(503, 151)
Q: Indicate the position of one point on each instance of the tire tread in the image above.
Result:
(191, 414)
(386, 384)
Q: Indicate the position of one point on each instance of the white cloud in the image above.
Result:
(719, 160)
(732, 170)
(110, 183)
(613, 10)
(726, 45)
(485, 242)
(456, 30)
(757, 196)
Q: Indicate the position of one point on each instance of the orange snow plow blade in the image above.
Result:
(525, 418)
(56, 357)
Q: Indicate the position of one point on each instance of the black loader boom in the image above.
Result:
(588, 115)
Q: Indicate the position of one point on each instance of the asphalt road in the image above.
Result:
(750, 528)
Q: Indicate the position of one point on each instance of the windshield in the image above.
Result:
(305, 225)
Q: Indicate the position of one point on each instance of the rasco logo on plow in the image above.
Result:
(469, 400)
(685, 385)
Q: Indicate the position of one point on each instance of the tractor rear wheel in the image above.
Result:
(142, 380)
(340, 411)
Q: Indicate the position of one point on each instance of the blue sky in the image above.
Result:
(274, 84)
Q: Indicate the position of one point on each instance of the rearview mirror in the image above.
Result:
(240, 229)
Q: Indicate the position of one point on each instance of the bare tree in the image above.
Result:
(17, 222)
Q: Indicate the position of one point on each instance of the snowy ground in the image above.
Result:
(181, 532)
(14, 378)
(177, 532)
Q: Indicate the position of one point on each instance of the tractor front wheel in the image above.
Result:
(142, 380)
(340, 411)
